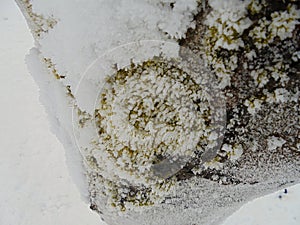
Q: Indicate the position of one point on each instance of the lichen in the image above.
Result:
(281, 25)
(225, 27)
(252, 47)
(52, 69)
(231, 32)
(39, 24)
(261, 84)
(254, 55)
(152, 119)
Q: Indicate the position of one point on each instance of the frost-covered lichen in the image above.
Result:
(152, 119)
(233, 27)
(147, 156)
(52, 69)
(252, 46)
(37, 22)
(226, 23)
(281, 25)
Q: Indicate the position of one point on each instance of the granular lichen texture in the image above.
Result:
(152, 120)
(173, 139)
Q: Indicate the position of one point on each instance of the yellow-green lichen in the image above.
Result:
(150, 115)
(52, 69)
(224, 31)
(281, 25)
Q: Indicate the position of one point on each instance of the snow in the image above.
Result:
(277, 209)
(36, 184)
(77, 41)
(36, 187)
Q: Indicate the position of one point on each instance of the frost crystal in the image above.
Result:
(281, 25)
(275, 142)
(226, 23)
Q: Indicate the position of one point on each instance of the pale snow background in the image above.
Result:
(36, 187)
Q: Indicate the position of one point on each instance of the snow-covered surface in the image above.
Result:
(278, 208)
(36, 187)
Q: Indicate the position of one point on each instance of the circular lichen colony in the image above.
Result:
(152, 119)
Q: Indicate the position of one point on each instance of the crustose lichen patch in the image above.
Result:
(152, 119)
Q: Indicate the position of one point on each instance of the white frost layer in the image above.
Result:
(277, 208)
(35, 186)
(76, 41)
